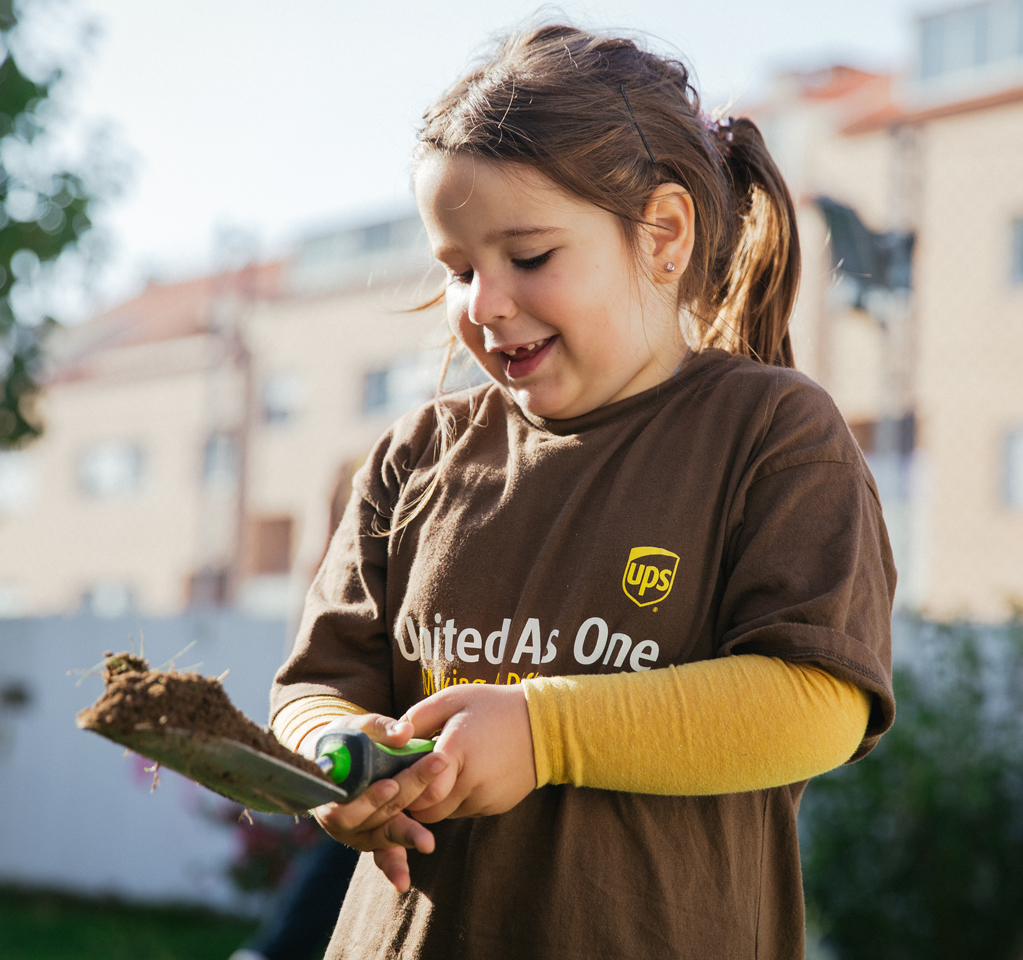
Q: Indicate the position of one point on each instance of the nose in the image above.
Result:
(489, 300)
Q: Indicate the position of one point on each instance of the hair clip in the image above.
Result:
(632, 114)
(719, 127)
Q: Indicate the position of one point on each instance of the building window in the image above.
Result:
(284, 396)
(208, 588)
(269, 545)
(978, 26)
(969, 39)
(463, 372)
(408, 382)
(965, 39)
(932, 42)
(220, 463)
(1012, 470)
(111, 468)
(13, 601)
(1017, 251)
(18, 481)
(865, 434)
(375, 392)
(109, 599)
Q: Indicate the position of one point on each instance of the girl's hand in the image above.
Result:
(486, 735)
(375, 820)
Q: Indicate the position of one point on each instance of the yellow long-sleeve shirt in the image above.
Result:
(716, 726)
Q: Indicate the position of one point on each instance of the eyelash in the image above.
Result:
(533, 263)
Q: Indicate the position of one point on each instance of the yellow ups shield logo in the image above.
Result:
(649, 575)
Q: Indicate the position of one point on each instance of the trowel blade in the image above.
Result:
(231, 769)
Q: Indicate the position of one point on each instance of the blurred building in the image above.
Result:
(910, 194)
(195, 434)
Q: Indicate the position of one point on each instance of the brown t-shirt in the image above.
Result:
(725, 511)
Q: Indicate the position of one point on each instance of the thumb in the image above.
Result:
(391, 733)
(430, 715)
(385, 730)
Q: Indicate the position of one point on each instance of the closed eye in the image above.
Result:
(534, 263)
(531, 263)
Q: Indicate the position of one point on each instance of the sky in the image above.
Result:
(242, 125)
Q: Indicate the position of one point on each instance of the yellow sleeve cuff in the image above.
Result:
(296, 720)
(729, 725)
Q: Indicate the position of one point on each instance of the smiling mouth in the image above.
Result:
(523, 360)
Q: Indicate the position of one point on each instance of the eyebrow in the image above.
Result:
(518, 233)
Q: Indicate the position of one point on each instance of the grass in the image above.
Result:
(41, 925)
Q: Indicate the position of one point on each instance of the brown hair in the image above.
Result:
(558, 99)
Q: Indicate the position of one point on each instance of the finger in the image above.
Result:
(439, 788)
(385, 730)
(374, 725)
(381, 801)
(411, 783)
(446, 808)
(335, 817)
(429, 715)
(399, 830)
(394, 865)
(403, 831)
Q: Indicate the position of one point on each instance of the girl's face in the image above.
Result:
(542, 290)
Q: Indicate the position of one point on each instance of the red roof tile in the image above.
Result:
(833, 83)
(902, 117)
(163, 312)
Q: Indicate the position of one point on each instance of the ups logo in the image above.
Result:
(649, 575)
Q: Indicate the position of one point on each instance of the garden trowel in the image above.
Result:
(231, 769)
(351, 759)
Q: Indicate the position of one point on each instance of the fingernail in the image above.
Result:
(389, 790)
(394, 727)
(437, 764)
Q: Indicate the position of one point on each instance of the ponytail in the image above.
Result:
(756, 296)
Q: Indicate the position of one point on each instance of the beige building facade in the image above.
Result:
(194, 435)
(928, 373)
(197, 435)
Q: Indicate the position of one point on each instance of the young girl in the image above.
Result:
(639, 583)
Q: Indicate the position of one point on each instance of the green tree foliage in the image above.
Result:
(917, 850)
(42, 213)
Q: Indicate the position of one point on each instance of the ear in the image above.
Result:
(671, 232)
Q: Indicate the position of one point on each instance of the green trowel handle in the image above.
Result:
(353, 761)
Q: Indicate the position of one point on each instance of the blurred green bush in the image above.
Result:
(917, 850)
(45, 925)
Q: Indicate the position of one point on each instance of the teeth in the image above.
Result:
(528, 346)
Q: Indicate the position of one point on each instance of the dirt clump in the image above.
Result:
(138, 698)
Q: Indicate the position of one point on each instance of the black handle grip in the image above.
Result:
(354, 761)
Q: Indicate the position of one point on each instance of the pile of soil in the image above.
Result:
(137, 698)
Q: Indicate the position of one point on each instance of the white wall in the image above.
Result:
(75, 812)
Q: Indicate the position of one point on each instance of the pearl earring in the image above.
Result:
(669, 266)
